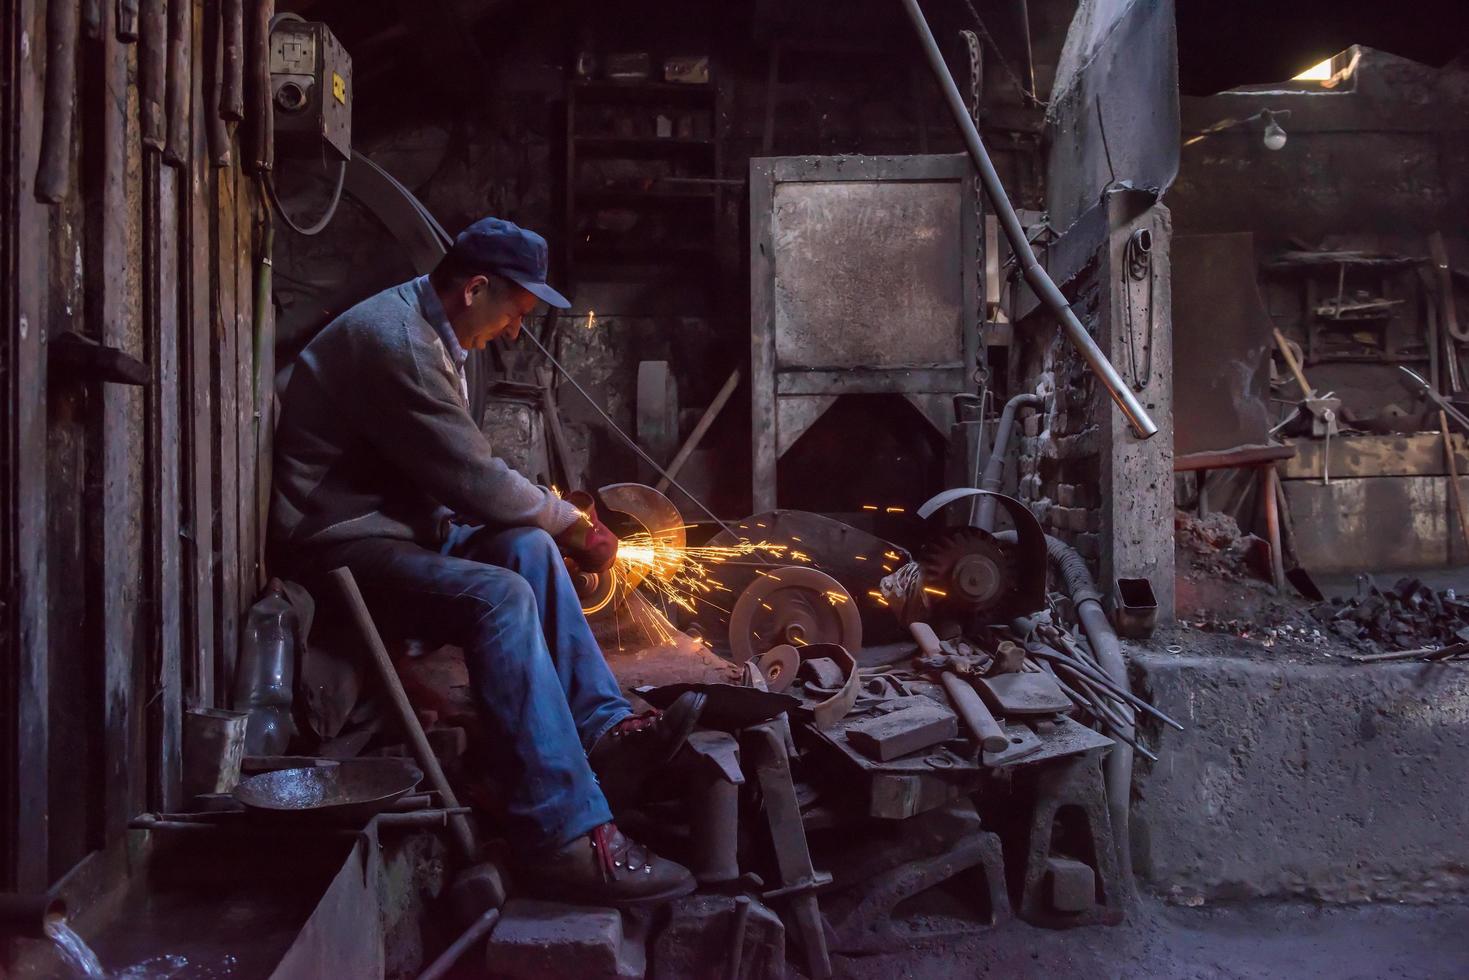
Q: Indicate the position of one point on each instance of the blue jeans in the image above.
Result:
(539, 677)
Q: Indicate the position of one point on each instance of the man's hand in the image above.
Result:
(588, 542)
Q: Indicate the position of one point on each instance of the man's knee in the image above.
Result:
(504, 600)
(532, 545)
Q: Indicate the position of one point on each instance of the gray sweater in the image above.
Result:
(375, 439)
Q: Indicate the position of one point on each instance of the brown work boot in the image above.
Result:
(640, 746)
(604, 867)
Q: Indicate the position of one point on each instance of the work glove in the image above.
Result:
(588, 542)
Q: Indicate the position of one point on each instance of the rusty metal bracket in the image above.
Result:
(799, 879)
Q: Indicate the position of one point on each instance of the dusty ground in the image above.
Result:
(1244, 942)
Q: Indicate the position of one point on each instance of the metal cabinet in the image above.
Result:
(863, 280)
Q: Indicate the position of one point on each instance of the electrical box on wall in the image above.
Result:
(311, 87)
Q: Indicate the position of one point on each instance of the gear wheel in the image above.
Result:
(969, 569)
(796, 605)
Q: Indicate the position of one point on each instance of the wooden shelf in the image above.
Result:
(641, 92)
(650, 196)
(626, 254)
(640, 142)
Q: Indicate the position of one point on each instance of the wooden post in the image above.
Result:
(1448, 448)
(197, 425)
(24, 640)
(116, 434)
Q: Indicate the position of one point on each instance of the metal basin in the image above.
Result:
(353, 790)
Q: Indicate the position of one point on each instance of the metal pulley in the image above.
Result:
(793, 605)
(967, 568)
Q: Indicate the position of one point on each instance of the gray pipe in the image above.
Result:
(1108, 651)
(983, 516)
(1078, 583)
(1039, 281)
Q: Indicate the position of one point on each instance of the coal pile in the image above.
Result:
(1215, 545)
(1408, 616)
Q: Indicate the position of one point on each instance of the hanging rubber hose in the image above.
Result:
(324, 220)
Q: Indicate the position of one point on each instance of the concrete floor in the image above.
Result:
(1244, 942)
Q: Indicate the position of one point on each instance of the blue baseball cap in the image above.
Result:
(508, 250)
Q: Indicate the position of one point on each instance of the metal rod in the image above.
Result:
(1117, 729)
(1039, 281)
(631, 442)
(423, 818)
(705, 421)
(1105, 684)
(463, 832)
(479, 930)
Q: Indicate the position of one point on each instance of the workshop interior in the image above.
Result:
(1033, 432)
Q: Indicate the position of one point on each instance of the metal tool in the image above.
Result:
(796, 605)
(778, 666)
(460, 828)
(651, 512)
(737, 935)
(1030, 267)
(1436, 398)
(983, 728)
(799, 879)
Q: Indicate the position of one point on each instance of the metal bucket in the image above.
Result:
(214, 745)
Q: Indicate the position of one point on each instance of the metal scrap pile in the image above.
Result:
(1410, 615)
(935, 691)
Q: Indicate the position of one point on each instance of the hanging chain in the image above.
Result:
(1000, 56)
(1137, 266)
(982, 368)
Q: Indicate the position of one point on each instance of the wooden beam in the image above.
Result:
(1412, 454)
(24, 644)
(244, 489)
(197, 428)
(161, 300)
(117, 435)
(223, 314)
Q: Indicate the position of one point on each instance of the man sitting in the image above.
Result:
(380, 468)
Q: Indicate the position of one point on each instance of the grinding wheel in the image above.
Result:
(793, 605)
(779, 665)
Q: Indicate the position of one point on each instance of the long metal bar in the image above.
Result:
(477, 931)
(631, 442)
(1035, 276)
(462, 832)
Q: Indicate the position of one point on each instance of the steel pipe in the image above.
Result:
(477, 931)
(983, 513)
(1037, 278)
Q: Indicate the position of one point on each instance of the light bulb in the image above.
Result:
(1274, 134)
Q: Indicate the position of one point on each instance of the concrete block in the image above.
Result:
(920, 723)
(1070, 885)
(1072, 518)
(1089, 545)
(699, 938)
(1032, 424)
(475, 891)
(1041, 509)
(1318, 781)
(1072, 495)
(535, 940)
(1078, 446)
